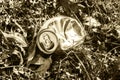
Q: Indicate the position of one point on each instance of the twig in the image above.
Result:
(114, 49)
(17, 67)
(20, 27)
(83, 67)
(62, 61)
(108, 53)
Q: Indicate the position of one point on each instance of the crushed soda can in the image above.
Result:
(60, 32)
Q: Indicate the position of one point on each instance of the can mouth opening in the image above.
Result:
(47, 41)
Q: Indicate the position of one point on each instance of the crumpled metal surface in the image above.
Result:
(61, 31)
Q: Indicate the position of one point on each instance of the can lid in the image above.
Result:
(47, 41)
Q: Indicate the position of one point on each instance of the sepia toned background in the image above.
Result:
(97, 58)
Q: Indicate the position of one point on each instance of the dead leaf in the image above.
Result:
(43, 62)
(31, 52)
(15, 71)
(92, 22)
(19, 38)
(19, 56)
(45, 65)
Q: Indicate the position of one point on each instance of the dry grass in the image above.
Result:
(97, 59)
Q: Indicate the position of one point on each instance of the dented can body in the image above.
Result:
(60, 32)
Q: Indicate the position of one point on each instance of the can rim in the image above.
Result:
(54, 42)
